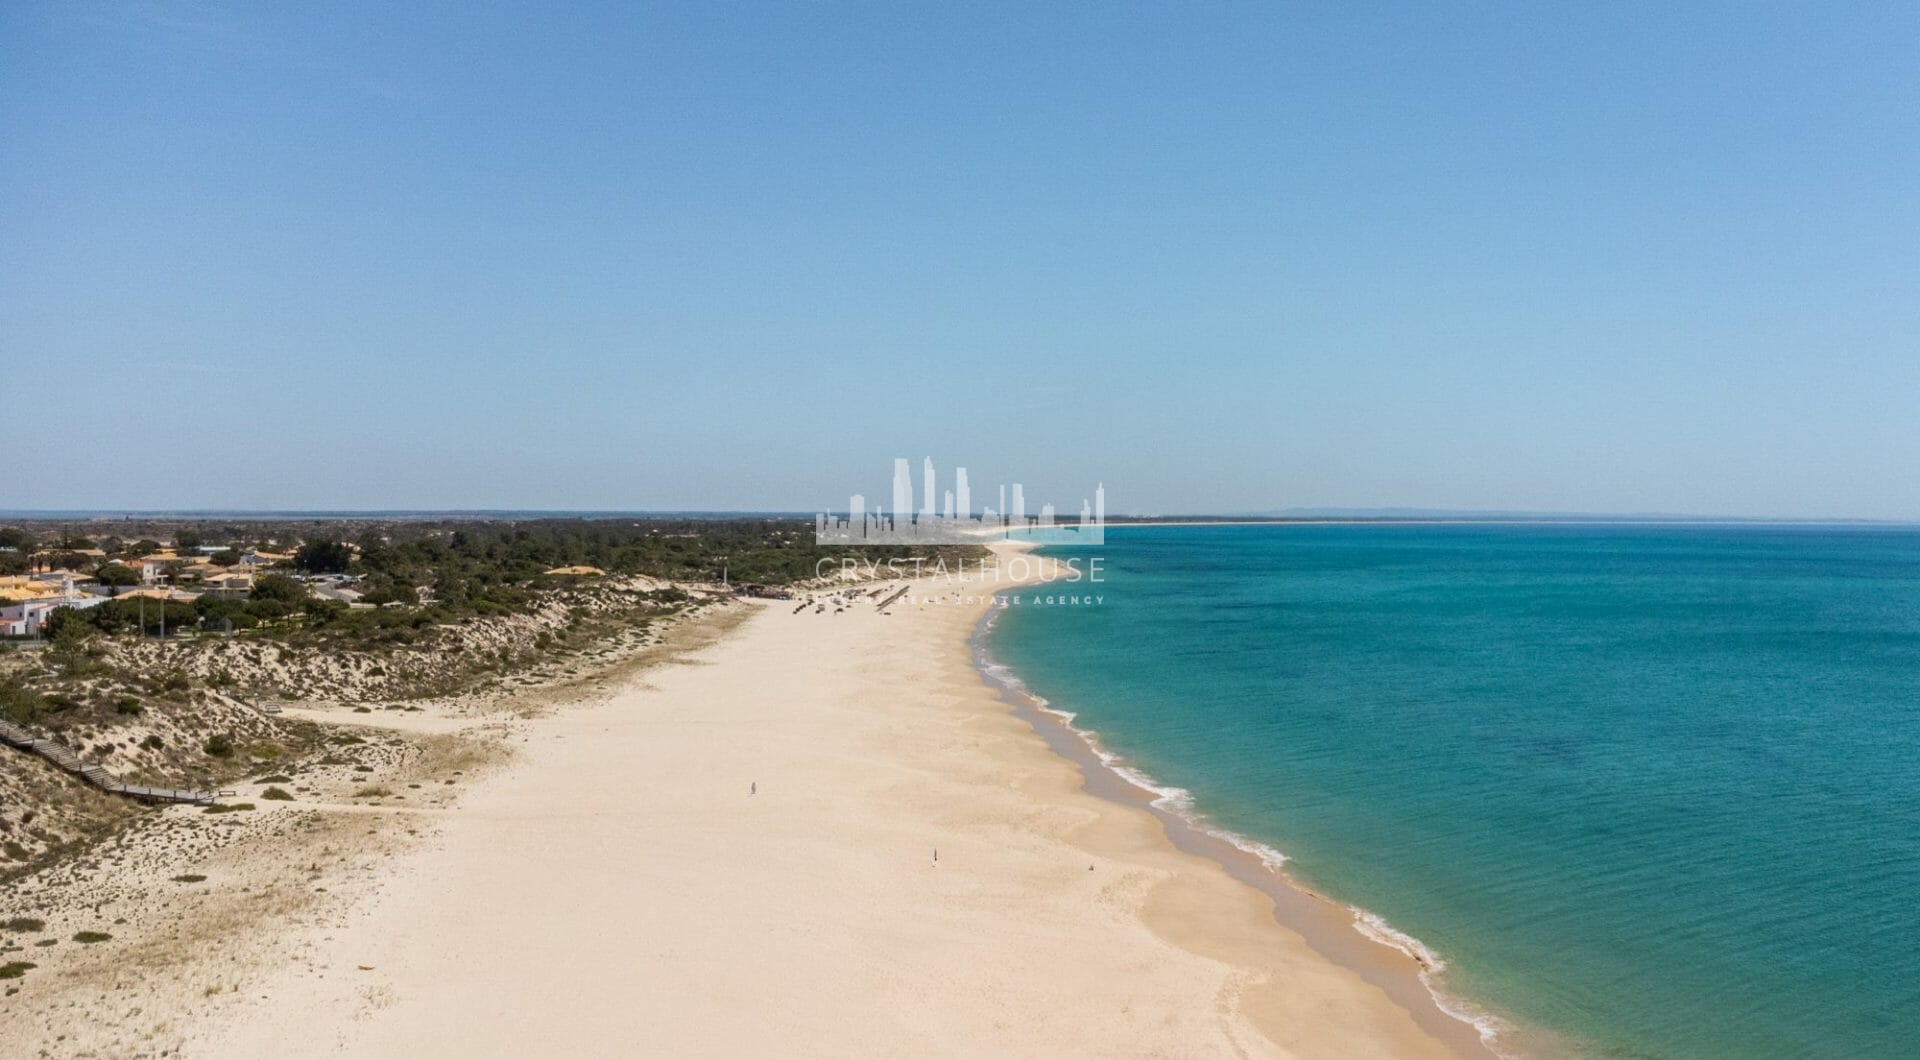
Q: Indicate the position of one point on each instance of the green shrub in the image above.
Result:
(20, 704)
(278, 589)
(220, 745)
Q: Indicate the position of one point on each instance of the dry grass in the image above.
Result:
(270, 870)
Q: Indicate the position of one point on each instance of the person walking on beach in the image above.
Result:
(753, 788)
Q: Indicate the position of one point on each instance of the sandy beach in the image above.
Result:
(813, 833)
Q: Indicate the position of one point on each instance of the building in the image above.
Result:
(149, 570)
(27, 618)
(233, 581)
(177, 596)
(54, 586)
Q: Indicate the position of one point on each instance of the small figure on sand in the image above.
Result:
(753, 788)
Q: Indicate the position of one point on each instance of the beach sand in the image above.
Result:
(735, 854)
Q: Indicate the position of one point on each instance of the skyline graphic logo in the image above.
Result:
(950, 520)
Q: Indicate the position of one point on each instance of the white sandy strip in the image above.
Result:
(618, 891)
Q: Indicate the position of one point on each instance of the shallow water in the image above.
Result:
(1653, 788)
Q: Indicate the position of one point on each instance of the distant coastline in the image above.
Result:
(391, 514)
(1306, 517)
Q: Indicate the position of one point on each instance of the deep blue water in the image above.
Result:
(1653, 788)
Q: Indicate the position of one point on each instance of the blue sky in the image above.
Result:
(1221, 258)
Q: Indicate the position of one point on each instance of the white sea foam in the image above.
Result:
(1374, 927)
(1174, 800)
(1180, 803)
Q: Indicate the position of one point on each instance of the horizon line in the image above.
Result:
(1284, 516)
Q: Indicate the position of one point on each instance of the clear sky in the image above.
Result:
(1588, 257)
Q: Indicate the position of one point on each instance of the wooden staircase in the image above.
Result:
(93, 773)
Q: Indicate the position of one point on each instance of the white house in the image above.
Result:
(25, 619)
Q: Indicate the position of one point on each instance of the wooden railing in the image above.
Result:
(93, 773)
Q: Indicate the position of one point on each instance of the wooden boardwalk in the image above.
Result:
(93, 773)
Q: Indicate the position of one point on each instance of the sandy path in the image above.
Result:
(618, 891)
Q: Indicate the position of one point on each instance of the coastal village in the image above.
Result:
(84, 576)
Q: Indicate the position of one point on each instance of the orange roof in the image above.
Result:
(23, 589)
(159, 594)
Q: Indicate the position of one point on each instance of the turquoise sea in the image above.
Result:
(1653, 789)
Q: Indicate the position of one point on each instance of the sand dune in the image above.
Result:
(619, 891)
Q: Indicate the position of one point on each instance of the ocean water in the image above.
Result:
(1653, 789)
